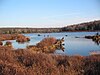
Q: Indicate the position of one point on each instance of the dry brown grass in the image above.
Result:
(25, 62)
(47, 45)
(47, 42)
(18, 37)
(7, 37)
(21, 38)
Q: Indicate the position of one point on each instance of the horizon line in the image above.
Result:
(50, 27)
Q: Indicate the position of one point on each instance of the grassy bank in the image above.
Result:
(25, 62)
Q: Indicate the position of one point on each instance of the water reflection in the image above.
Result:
(71, 44)
(97, 42)
(95, 38)
(60, 44)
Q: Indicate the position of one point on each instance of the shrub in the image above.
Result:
(8, 44)
(47, 42)
(21, 38)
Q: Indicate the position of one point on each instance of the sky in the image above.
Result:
(47, 13)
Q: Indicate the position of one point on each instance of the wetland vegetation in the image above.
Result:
(40, 58)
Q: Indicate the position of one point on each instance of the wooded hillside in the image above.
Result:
(88, 26)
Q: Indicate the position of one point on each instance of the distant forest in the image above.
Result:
(88, 26)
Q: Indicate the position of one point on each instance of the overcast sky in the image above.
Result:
(47, 13)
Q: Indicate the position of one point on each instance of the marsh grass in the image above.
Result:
(24, 62)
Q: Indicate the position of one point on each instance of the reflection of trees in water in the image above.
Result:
(60, 45)
(96, 38)
(97, 42)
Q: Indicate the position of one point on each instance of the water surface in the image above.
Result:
(73, 45)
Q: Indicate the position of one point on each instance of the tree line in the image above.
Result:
(88, 26)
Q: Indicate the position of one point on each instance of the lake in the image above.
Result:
(73, 45)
